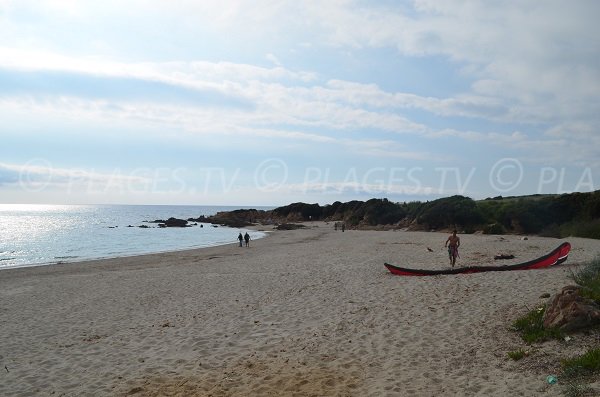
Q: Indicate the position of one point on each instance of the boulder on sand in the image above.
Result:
(568, 310)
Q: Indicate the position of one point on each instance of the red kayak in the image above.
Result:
(557, 256)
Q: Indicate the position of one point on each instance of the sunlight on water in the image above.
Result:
(44, 234)
(38, 208)
(23, 222)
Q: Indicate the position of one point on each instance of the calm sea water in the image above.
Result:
(47, 234)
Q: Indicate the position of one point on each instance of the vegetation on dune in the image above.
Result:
(589, 279)
(575, 371)
(574, 214)
(531, 327)
(517, 354)
(583, 365)
(451, 211)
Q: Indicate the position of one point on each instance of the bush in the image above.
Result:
(584, 228)
(589, 279)
(494, 228)
(551, 231)
(451, 211)
(575, 214)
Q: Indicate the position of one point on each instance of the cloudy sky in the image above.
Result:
(269, 102)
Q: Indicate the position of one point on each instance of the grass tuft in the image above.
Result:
(531, 327)
(586, 364)
(589, 279)
(517, 354)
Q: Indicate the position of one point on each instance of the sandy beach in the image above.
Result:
(310, 312)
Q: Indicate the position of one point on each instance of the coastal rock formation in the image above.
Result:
(568, 310)
(171, 222)
(174, 222)
(235, 218)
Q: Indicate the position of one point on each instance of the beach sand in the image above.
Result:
(309, 312)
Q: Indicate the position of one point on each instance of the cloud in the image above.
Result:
(39, 174)
(273, 59)
(355, 188)
(8, 176)
(190, 73)
(529, 67)
(522, 53)
(58, 83)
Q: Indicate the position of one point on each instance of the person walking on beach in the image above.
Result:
(240, 238)
(247, 239)
(453, 242)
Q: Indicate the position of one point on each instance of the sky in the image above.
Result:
(265, 103)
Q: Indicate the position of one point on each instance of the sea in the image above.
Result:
(32, 234)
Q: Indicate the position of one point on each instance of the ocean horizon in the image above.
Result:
(46, 234)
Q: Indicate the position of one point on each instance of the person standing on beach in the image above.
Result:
(453, 242)
(240, 238)
(247, 239)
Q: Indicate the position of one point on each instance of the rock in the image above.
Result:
(569, 311)
(524, 238)
(174, 222)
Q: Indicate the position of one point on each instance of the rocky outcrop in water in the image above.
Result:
(171, 222)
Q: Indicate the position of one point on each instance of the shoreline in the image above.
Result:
(304, 312)
(108, 258)
(41, 235)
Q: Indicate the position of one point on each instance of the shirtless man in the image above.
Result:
(453, 242)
